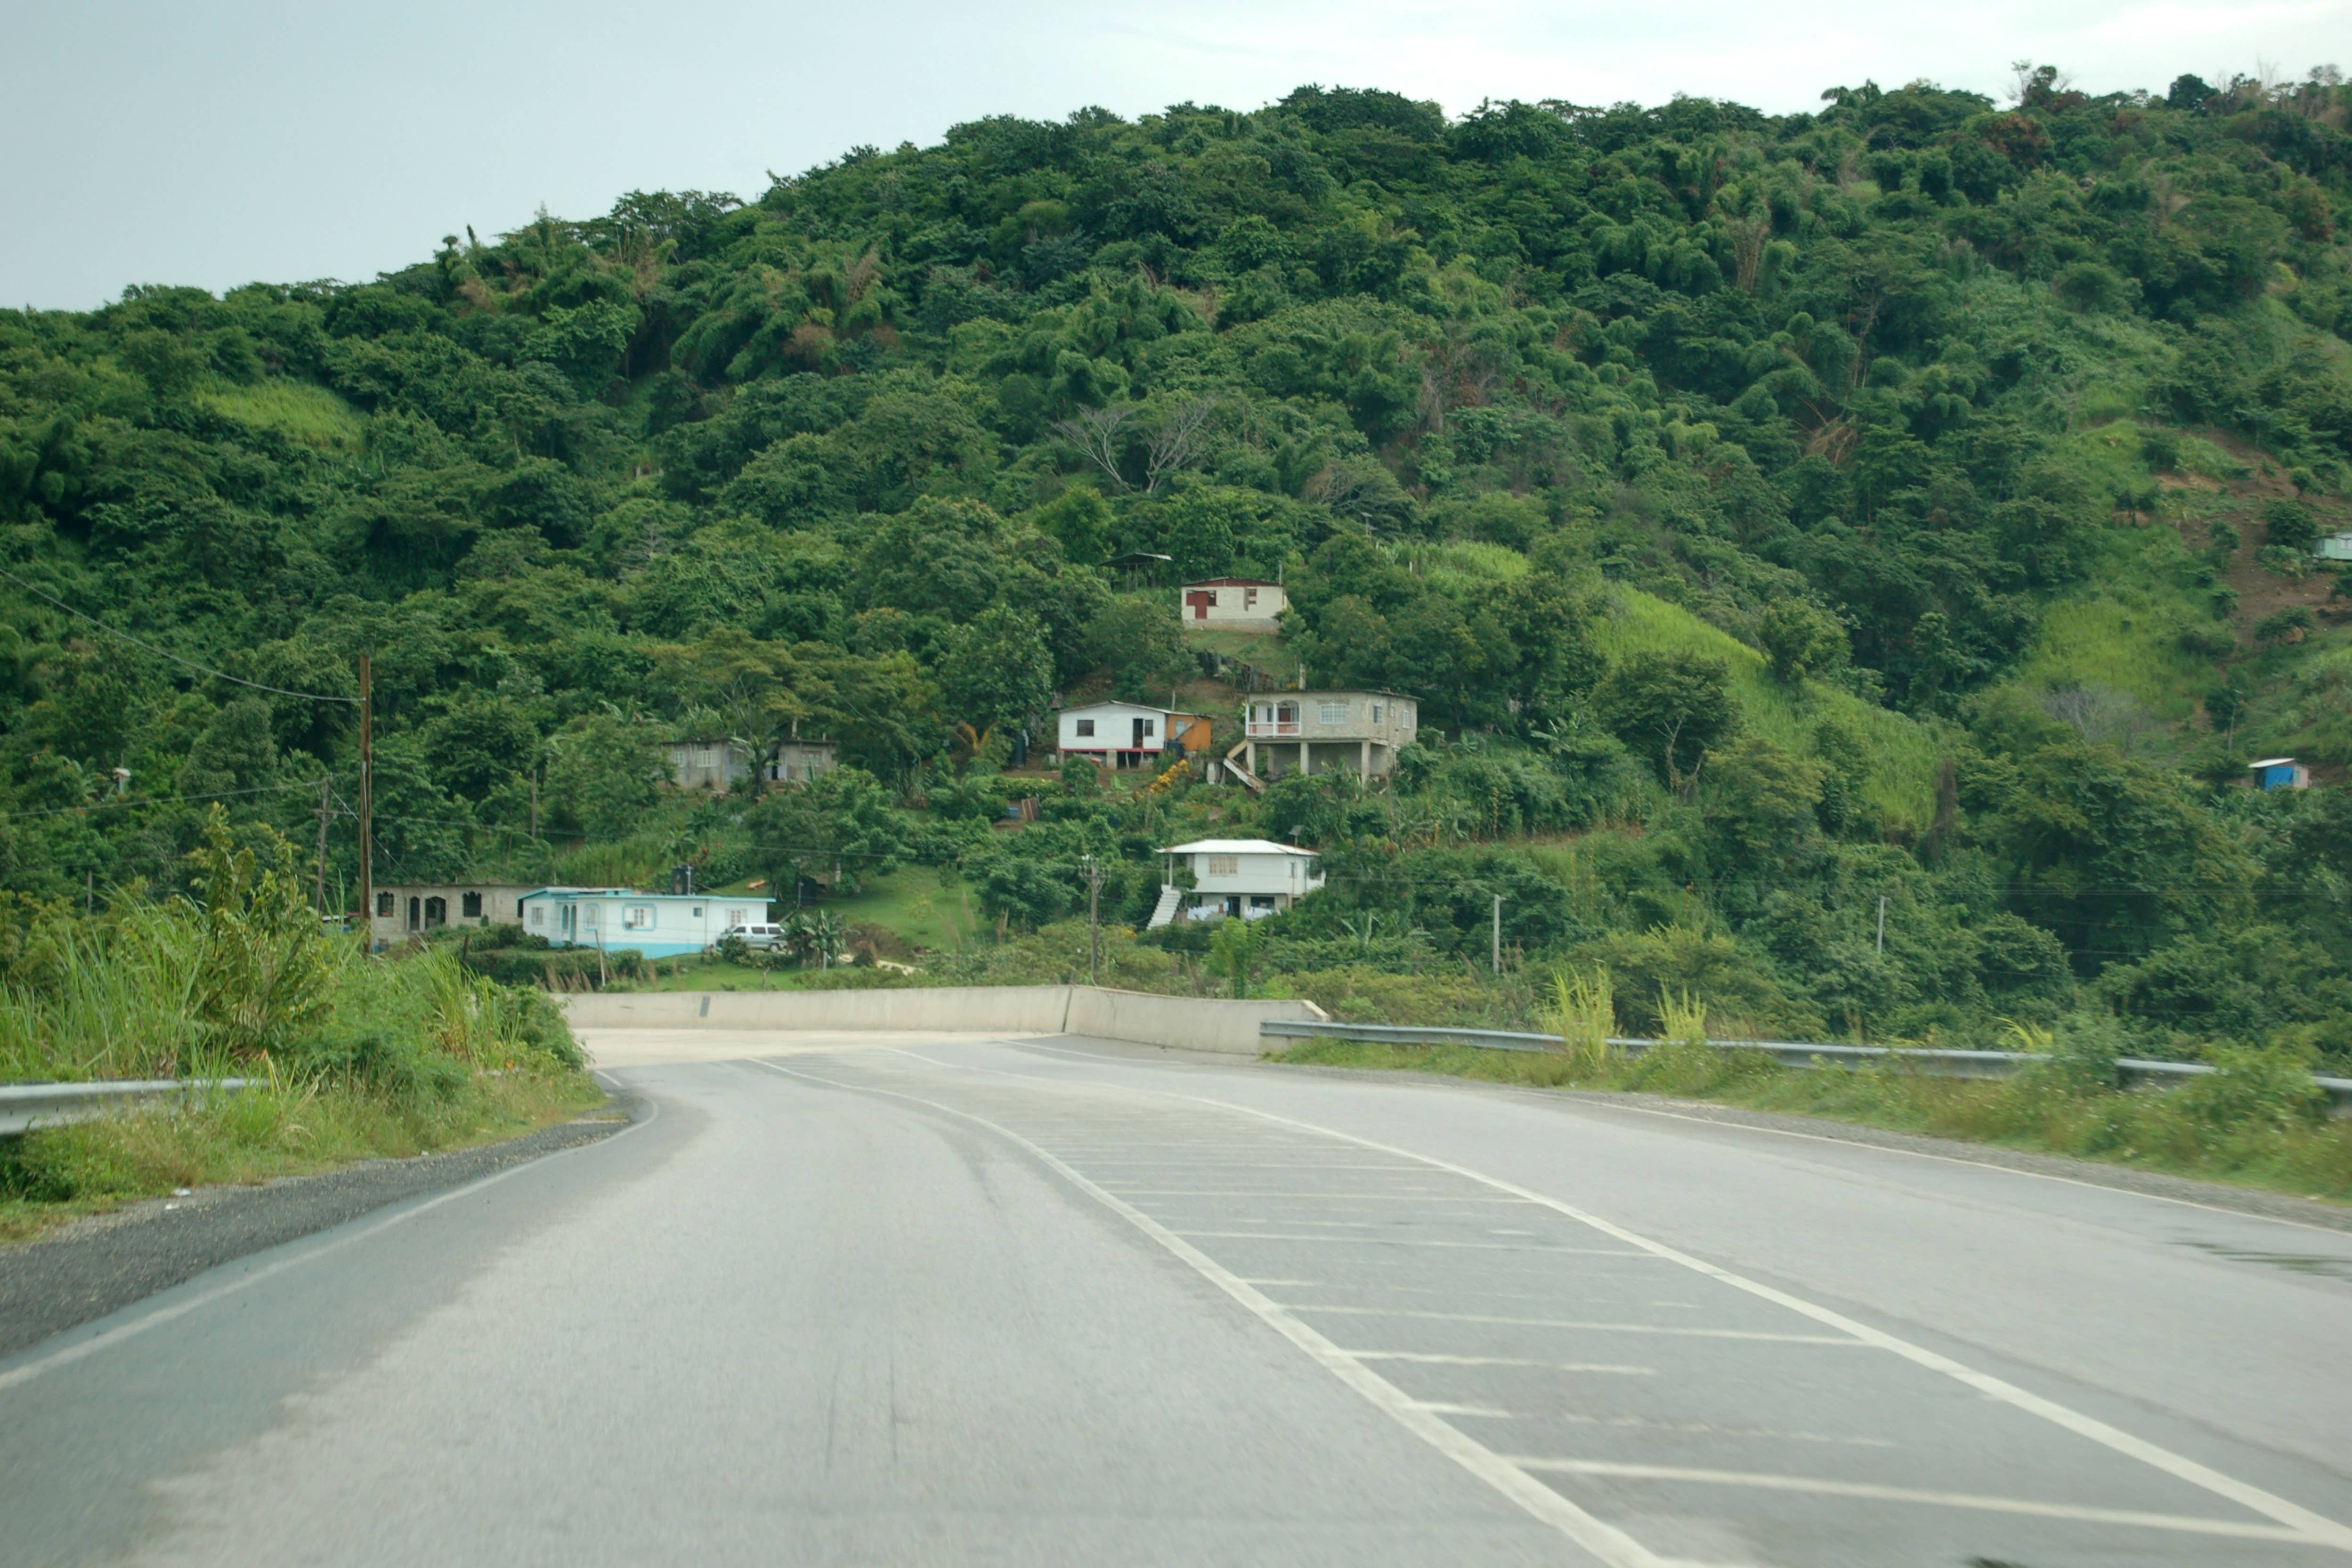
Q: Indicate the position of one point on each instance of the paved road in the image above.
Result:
(950, 1300)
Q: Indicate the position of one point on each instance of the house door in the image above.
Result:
(1198, 601)
(1139, 725)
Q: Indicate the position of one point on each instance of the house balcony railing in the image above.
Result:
(1260, 730)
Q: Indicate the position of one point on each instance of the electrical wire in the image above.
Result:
(161, 653)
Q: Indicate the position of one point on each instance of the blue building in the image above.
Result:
(659, 925)
(2279, 773)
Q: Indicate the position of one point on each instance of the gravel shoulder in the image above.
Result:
(90, 1267)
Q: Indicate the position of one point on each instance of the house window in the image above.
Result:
(1331, 712)
(538, 917)
(1152, 726)
(470, 905)
(415, 914)
(1378, 710)
(383, 905)
(1224, 864)
(1249, 598)
(1085, 727)
(735, 918)
(636, 916)
(697, 911)
(437, 912)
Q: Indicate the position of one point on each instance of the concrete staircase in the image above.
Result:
(1170, 900)
(1249, 780)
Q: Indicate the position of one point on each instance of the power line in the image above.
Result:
(123, 800)
(161, 653)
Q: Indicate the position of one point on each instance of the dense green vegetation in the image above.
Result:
(1904, 507)
(344, 1055)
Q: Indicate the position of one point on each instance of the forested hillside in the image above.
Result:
(1912, 501)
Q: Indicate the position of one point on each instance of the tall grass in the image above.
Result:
(354, 1054)
(1583, 1012)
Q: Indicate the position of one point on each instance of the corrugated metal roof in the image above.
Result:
(1235, 846)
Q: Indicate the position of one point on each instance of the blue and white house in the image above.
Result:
(659, 925)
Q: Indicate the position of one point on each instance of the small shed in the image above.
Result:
(1128, 734)
(2279, 773)
(1233, 601)
(2335, 547)
(658, 925)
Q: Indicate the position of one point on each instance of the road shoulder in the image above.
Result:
(2254, 1200)
(90, 1267)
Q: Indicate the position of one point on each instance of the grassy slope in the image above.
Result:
(305, 413)
(1903, 751)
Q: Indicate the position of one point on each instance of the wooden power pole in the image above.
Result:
(367, 799)
(325, 785)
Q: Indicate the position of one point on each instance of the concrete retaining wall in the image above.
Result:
(1188, 1022)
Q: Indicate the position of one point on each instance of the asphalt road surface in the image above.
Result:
(909, 1299)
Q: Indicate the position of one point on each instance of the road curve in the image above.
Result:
(954, 1299)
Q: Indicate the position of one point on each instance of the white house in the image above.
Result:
(2334, 547)
(1252, 878)
(404, 909)
(1233, 601)
(1128, 734)
(659, 925)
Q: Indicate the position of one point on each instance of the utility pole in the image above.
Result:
(323, 787)
(1093, 918)
(534, 803)
(1498, 933)
(1881, 924)
(367, 800)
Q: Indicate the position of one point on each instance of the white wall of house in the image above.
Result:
(1228, 601)
(1099, 728)
(1253, 877)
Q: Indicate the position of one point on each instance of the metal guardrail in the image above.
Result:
(26, 1105)
(1939, 1063)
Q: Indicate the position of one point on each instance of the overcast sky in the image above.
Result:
(217, 142)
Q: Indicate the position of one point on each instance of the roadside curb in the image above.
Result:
(100, 1264)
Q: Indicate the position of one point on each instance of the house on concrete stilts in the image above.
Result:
(1317, 731)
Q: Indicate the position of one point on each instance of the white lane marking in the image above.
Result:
(2315, 1527)
(1604, 1540)
(162, 1315)
(1399, 1241)
(1426, 1358)
(1444, 1408)
(1576, 1323)
(1358, 1197)
(1596, 1102)
(2186, 1524)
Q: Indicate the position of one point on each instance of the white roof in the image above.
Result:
(2272, 762)
(1122, 706)
(1235, 846)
